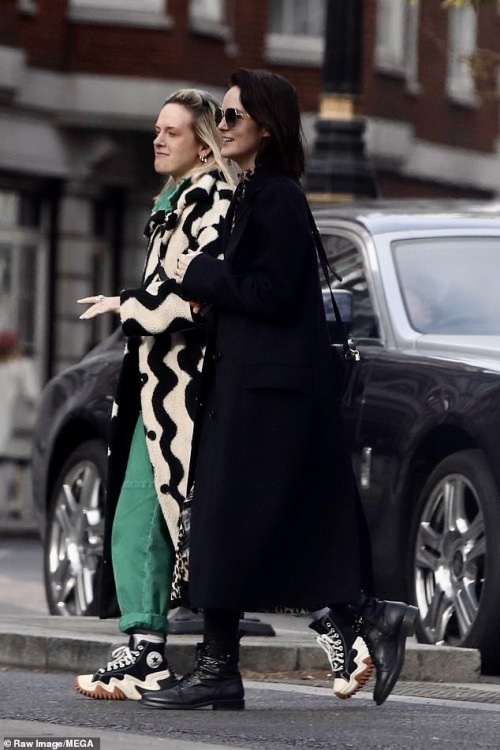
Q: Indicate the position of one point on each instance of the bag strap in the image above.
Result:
(349, 351)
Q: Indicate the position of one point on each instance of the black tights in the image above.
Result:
(221, 627)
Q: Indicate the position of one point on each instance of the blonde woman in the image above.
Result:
(152, 422)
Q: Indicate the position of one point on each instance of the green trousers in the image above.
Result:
(141, 548)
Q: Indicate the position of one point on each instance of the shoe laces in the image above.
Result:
(333, 645)
(123, 657)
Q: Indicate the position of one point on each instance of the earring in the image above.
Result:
(203, 158)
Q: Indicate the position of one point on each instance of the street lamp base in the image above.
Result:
(185, 622)
(338, 165)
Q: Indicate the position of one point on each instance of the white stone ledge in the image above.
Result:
(393, 144)
(110, 17)
(12, 63)
(99, 100)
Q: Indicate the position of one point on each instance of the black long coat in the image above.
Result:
(275, 512)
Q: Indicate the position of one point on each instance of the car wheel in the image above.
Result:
(455, 556)
(75, 527)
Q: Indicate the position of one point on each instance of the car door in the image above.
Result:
(381, 416)
(347, 255)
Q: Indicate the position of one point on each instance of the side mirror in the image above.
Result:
(344, 300)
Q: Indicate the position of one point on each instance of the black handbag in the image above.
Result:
(347, 360)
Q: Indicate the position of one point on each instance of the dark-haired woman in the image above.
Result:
(276, 521)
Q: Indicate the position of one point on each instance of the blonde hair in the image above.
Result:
(202, 106)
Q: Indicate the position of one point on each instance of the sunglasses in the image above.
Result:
(231, 115)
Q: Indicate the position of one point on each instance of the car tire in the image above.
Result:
(74, 532)
(455, 557)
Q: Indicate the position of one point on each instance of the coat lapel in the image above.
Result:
(233, 238)
(236, 234)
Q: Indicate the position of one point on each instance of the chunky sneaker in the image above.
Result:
(134, 669)
(348, 655)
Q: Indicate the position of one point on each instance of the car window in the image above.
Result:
(345, 257)
(450, 285)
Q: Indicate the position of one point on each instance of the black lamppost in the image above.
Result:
(338, 167)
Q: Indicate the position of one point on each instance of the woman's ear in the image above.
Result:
(204, 154)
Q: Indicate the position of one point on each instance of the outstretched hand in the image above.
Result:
(99, 304)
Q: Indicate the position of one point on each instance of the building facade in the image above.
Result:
(81, 83)
(433, 129)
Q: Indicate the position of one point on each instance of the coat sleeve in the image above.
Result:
(269, 285)
(158, 307)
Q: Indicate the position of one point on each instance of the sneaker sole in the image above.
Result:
(119, 690)
(99, 692)
(344, 689)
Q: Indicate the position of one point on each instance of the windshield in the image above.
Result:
(450, 285)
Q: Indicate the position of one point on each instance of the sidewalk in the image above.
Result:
(81, 644)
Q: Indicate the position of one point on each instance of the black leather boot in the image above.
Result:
(385, 626)
(216, 682)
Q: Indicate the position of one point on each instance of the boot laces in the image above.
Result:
(357, 624)
(333, 646)
(123, 657)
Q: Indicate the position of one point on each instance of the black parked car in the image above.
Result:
(424, 310)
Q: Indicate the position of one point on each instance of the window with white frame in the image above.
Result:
(411, 61)
(148, 6)
(210, 10)
(23, 270)
(207, 17)
(396, 42)
(296, 32)
(462, 35)
(123, 12)
(390, 38)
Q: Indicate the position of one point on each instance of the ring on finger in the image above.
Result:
(100, 298)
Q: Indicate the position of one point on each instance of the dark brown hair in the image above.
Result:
(272, 102)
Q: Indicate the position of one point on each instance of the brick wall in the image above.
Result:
(434, 116)
(44, 35)
(52, 41)
(8, 22)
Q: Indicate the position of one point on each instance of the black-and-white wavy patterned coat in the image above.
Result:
(161, 368)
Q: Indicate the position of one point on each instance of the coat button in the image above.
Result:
(211, 414)
(217, 356)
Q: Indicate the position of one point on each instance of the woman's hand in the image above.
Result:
(183, 264)
(99, 305)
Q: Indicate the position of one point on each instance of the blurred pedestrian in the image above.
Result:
(152, 420)
(276, 521)
(19, 392)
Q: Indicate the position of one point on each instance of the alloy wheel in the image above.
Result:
(75, 539)
(450, 560)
